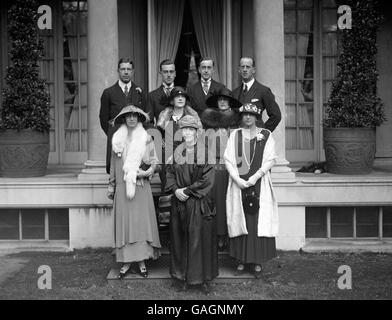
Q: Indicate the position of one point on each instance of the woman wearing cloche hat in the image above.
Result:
(220, 117)
(193, 247)
(252, 211)
(133, 164)
(168, 123)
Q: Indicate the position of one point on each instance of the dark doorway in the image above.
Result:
(187, 48)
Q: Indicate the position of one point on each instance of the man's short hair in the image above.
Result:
(250, 58)
(207, 59)
(125, 60)
(166, 62)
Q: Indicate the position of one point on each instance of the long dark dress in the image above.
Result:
(193, 242)
(221, 122)
(250, 248)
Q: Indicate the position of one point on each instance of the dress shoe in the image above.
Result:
(143, 272)
(124, 270)
(258, 273)
(240, 270)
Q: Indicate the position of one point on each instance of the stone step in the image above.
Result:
(159, 270)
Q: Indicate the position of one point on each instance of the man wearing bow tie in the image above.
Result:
(252, 91)
(158, 99)
(205, 88)
(116, 97)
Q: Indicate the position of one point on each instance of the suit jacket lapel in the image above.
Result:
(201, 91)
(253, 89)
(212, 89)
(119, 91)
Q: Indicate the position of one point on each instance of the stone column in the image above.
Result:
(384, 66)
(102, 66)
(269, 58)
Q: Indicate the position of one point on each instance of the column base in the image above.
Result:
(281, 172)
(382, 162)
(95, 170)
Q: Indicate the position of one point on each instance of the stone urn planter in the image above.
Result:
(25, 109)
(23, 153)
(349, 150)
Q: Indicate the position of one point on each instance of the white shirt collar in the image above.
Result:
(204, 81)
(248, 84)
(165, 86)
(122, 85)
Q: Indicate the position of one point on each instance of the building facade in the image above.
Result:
(295, 44)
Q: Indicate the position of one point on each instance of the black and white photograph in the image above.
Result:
(195, 155)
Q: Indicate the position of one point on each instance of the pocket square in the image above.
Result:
(254, 100)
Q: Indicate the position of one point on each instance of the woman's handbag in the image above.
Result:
(250, 200)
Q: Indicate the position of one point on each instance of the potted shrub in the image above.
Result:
(24, 114)
(354, 110)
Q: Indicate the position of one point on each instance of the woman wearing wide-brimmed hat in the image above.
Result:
(190, 178)
(221, 116)
(133, 164)
(168, 122)
(252, 211)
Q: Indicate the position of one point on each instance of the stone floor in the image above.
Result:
(159, 269)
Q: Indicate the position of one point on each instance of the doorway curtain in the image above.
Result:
(168, 24)
(208, 22)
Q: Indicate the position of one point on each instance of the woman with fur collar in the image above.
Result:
(168, 121)
(134, 162)
(252, 210)
(218, 119)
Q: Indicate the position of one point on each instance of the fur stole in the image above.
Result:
(214, 118)
(131, 150)
(167, 113)
(268, 217)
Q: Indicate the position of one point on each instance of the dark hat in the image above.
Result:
(178, 91)
(250, 108)
(212, 101)
(189, 121)
(131, 109)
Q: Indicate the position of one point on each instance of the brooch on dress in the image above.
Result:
(260, 136)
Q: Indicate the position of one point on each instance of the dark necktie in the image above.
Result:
(245, 89)
(126, 90)
(167, 91)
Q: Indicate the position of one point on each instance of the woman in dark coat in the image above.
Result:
(193, 245)
(168, 124)
(221, 116)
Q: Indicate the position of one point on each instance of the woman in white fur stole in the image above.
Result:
(218, 119)
(252, 211)
(133, 164)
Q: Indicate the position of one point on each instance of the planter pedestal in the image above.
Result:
(23, 153)
(349, 150)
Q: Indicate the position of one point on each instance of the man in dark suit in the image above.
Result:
(116, 97)
(252, 91)
(158, 99)
(205, 88)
